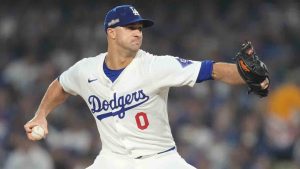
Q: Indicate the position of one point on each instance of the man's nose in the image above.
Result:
(138, 33)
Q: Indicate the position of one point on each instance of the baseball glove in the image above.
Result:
(252, 70)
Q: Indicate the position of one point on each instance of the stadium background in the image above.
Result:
(216, 126)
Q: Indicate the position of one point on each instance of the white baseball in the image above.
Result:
(38, 132)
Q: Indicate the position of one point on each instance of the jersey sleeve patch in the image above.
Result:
(183, 62)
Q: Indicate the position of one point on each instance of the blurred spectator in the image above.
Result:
(27, 155)
(22, 73)
(283, 117)
(65, 138)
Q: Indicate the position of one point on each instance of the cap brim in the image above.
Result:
(146, 22)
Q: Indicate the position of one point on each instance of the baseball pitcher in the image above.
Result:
(126, 90)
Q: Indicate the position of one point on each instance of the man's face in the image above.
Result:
(130, 36)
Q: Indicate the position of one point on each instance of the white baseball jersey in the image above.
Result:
(131, 112)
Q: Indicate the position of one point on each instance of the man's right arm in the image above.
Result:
(54, 96)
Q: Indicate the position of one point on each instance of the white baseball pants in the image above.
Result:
(168, 160)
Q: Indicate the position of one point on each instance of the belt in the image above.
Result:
(140, 157)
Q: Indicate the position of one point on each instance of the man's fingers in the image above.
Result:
(29, 131)
(31, 138)
(265, 83)
(28, 128)
(250, 51)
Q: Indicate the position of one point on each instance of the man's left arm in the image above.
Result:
(226, 72)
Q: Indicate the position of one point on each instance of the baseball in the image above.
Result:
(37, 132)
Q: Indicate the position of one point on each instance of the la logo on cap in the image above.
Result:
(123, 15)
(134, 11)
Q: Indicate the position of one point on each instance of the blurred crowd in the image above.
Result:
(216, 126)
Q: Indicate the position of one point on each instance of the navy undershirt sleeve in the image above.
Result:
(205, 72)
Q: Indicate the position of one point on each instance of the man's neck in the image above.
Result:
(118, 60)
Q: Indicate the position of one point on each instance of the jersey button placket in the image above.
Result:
(123, 139)
(118, 128)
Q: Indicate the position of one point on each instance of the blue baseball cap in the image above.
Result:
(124, 15)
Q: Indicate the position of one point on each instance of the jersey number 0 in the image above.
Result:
(142, 120)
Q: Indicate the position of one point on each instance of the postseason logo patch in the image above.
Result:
(183, 62)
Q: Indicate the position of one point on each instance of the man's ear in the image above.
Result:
(111, 33)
